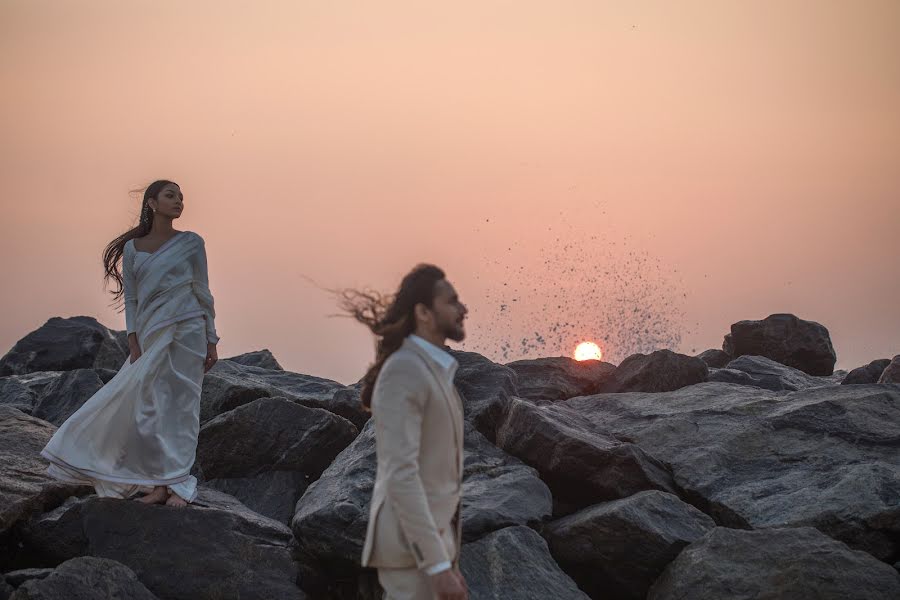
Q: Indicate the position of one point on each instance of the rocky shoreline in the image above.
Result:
(750, 471)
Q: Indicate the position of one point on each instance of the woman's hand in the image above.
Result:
(133, 347)
(211, 357)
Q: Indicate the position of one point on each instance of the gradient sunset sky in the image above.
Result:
(642, 174)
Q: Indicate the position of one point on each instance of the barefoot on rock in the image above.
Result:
(157, 496)
(176, 500)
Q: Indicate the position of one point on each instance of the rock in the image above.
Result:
(580, 463)
(64, 345)
(804, 345)
(14, 394)
(260, 358)
(514, 563)
(559, 378)
(891, 373)
(715, 358)
(485, 388)
(660, 371)
(6, 590)
(86, 578)
(331, 517)
(214, 549)
(17, 578)
(345, 403)
(229, 385)
(824, 457)
(271, 434)
(65, 395)
(765, 373)
(113, 352)
(617, 549)
(25, 487)
(796, 564)
(272, 494)
(866, 374)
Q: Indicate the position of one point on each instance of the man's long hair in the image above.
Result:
(390, 317)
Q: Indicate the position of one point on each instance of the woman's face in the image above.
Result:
(169, 202)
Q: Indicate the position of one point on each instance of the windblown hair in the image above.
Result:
(390, 317)
(112, 255)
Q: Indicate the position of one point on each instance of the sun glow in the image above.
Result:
(588, 351)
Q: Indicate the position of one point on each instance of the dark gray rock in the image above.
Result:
(64, 345)
(804, 345)
(260, 358)
(15, 394)
(485, 388)
(331, 517)
(271, 434)
(229, 385)
(345, 403)
(6, 590)
(825, 457)
(86, 578)
(891, 373)
(215, 549)
(774, 564)
(65, 395)
(514, 563)
(25, 487)
(660, 371)
(866, 374)
(715, 358)
(559, 378)
(272, 494)
(581, 463)
(17, 578)
(617, 549)
(762, 372)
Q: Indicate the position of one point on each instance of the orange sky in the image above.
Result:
(686, 164)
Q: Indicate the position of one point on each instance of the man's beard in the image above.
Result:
(454, 331)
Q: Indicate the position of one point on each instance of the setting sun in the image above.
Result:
(588, 351)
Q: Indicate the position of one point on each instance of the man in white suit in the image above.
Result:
(414, 531)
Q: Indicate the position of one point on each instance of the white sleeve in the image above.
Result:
(129, 287)
(201, 291)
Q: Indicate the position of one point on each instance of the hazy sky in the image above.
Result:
(643, 174)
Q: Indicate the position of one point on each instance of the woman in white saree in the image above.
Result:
(140, 430)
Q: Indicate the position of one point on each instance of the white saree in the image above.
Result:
(140, 429)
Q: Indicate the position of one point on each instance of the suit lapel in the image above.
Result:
(450, 397)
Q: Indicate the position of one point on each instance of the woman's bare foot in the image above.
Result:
(157, 496)
(176, 500)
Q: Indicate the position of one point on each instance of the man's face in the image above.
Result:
(448, 313)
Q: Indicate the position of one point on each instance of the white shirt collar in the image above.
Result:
(438, 354)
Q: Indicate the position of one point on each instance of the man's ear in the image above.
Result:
(420, 311)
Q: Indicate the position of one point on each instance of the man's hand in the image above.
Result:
(449, 585)
(212, 357)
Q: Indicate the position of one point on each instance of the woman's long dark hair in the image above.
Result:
(390, 317)
(112, 255)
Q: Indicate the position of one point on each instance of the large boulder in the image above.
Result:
(581, 463)
(867, 373)
(774, 564)
(259, 358)
(66, 344)
(617, 549)
(86, 578)
(804, 345)
(514, 563)
(485, 388)
(559, 378)
(331, 517)
(230, 384)
(25, 487)
(66, 394)
(715, 358)
(762, 372)
(215, 549)
(15, 394)
(266, 453)
(825, 457)
(660, 371)
(891, 373)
